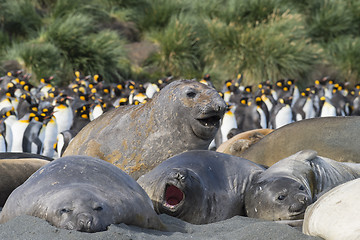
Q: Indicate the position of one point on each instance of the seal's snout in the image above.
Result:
(303, 199)
(219, 105)
(85, 222)
(300, 205)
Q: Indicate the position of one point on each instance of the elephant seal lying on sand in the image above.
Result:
(183, 116)
(286, 189)
(82, 193)
(200, 186)
(14, 172)
(335, 215)
(332, 137)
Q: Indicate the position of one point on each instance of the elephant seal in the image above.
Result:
(335, 215)
(200, 186)
(82, 193)
(22, 155)
(183, 116)
(332, 137)
(242, 141)
(287, 188)
(14, 172)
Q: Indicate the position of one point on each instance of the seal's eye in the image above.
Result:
(99, 208)
(301, 188)
(65, 210)
(281, 197)
(191, 93)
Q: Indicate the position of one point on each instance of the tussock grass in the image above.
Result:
(262, 39)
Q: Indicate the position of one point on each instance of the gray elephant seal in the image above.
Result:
(332, 137)
(183, 116)
(82, 193)
(286, 189)
(335, 215)
(200, 186)
(14, 172)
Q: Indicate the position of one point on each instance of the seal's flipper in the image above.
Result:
(305, 155)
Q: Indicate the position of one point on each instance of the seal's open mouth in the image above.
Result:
(213, 121)
(173, 196)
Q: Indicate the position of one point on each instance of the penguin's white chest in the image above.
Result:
(283, 117)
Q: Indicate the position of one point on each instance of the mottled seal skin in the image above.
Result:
(242, 141)
(335, 215)
(182, 116)
(14, 172)
(200, 186)
(286, 189)
(332, 137)
(82, 193)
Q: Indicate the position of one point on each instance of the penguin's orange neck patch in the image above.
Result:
(61, 106)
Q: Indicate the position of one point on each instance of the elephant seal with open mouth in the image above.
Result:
(287, 188)
(200, 186)
(183, 116)
(82, 193)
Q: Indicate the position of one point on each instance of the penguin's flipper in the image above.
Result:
(39, 144)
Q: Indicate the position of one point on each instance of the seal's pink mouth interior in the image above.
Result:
(173, 195)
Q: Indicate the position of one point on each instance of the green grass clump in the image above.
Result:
(179, 53)
(273, 49)
(19, 18)
(344, 55)
(40, 59)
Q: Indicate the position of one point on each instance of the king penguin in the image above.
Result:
(228, 122)
(51, 132)
(18, 129)
(81, 118)
(281, 114)
(63, 140)
(3, 144)
(63, 113)
(151, 89)
(263, 112)
(34, 134)
(10, 119)
(326, 108)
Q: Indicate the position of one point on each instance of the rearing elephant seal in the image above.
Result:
(183, 116)
(200, 186)
(287, 188)
(332, 137)
(82, 193)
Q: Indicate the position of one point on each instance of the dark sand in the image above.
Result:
(28, 227)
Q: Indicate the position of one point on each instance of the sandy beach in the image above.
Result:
(32, 228)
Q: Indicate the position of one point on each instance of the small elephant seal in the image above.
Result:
(14, 172)
(82, 193)
(332, 137)
(286, 189)
(200, 186)
(335, 215)
(242, 141)
(183, 116)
